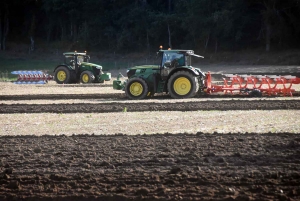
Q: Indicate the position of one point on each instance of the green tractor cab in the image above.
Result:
(173, 74)
(76, 68)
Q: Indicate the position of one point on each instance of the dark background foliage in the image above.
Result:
(144, 25)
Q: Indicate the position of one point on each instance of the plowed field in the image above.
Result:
(91, 143)
(151, 167)
(118, 106)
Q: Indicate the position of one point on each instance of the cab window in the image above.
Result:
(80, 59)
(171, 56)
(70, 60)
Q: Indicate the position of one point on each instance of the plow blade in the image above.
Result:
(254, 85)
(32, 77)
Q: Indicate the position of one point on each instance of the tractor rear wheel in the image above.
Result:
(183, 84)
(62, 75)
(87, 77)
(136, 88)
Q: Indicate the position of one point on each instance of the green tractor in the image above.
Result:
(76, 68)
(174, 75)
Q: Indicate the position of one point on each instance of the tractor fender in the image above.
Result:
(70, 68)
(140, 76)
(191, 70)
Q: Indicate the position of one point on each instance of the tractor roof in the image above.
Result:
(187, 52)
(74, 53)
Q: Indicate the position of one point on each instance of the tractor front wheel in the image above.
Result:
(62, 75)
(182, 84)
(87, 77)
(136, 88)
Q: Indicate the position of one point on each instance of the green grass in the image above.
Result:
(23, 64)
(9, 65)
(6, 77)
(108, 65)
(14, 62)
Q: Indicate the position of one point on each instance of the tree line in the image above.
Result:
(139, 25)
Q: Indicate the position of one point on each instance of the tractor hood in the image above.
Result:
(145, 67)
(86, 64)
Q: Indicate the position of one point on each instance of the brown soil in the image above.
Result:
(151, 167)
(119, 167)
(141, 106)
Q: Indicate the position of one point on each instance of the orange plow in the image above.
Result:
(253, 85)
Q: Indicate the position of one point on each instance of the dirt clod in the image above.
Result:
(108, 173)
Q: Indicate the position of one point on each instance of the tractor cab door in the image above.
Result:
(70, 60)
(171, 60)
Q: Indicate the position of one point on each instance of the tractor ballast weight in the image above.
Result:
(173, 74)
(76, 68)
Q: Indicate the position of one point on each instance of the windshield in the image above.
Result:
(172, 56)
(80, 59)
(70, 59)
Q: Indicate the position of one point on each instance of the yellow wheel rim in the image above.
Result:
(85, 78)
(182, 86)
(136, 89)
(61, 75)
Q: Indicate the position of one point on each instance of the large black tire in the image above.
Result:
(255, 93)
(87, 77)
(183, 84)
(136, 88)
(62, 75)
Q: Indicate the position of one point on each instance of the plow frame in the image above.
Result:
(269, 84)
